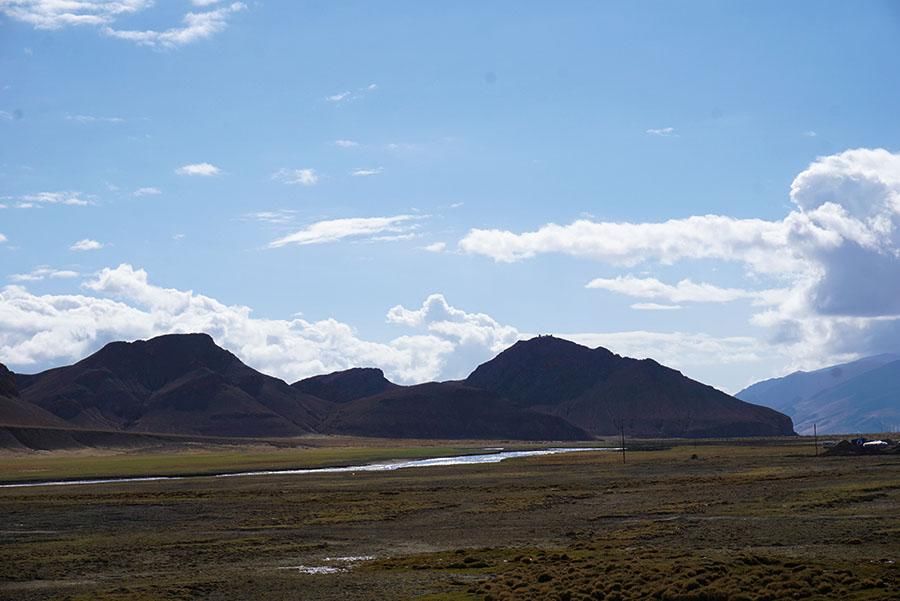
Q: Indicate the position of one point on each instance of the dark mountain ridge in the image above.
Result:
(179, 383)
(446, 410)
(347, 385)
(541, 389)
(602, 392)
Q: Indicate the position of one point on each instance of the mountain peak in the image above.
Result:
(347, 385)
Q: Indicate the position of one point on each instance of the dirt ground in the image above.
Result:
(761, 520)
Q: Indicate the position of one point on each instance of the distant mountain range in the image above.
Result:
(541, 389)
(857, 397)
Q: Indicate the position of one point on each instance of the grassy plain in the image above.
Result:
(743, 520)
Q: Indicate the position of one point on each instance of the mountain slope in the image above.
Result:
(600, 391)
(783, 394)
(347, 385)
(447, 410)
(180, 383)
(870, 402)
(15, 411)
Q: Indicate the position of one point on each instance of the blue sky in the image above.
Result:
(421, 149)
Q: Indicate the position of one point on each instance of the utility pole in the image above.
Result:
(622, 432)
(816, 439)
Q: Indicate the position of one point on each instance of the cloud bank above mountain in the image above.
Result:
(834, 259)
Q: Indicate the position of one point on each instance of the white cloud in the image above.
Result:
(366, 172)
(346, 143)
(685, 291)
(348, 96)
(94, 119)
(149, 191)
(196, 26)
(333, 230)
(6, 116)
(654, 307)
(277, 217)
(86, 245)
(303, 177)
(338, 97)
(57, 14)
(202, 169)
(3, 239)
(443, 341)
(30, 201)
(664, 132)
(42, 273)
(677, 349)
(753, 241)
(810, 134)
(836, 257)
(436, 247)
(124, 305)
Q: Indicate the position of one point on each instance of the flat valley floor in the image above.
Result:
(727, 520)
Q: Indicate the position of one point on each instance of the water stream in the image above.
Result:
(384, 466)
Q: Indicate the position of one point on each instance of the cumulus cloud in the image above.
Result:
(436, 247)
(3, 238)
(55, 14)
(86, 245)
(836, 256)
(302, 177)
(476, 336)
(202, 169)
(122, 304)
(438, 340)
(334, 230)
(685, 291)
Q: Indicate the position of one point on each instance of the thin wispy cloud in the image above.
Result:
(86, 245)
(31, 201)
(278, 217)
(357, 228)
(349, 95)
(3, 239)
(685, 291)
(302, 177)
(201, 169)
(664, 132)
(366, 172)
(436, 247)
(43, 272)
(810, 134)
(654, 307)
(94, 119)
(149, 191)
(104, 14)
(346, 143)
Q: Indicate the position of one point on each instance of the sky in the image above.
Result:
(417, 185)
